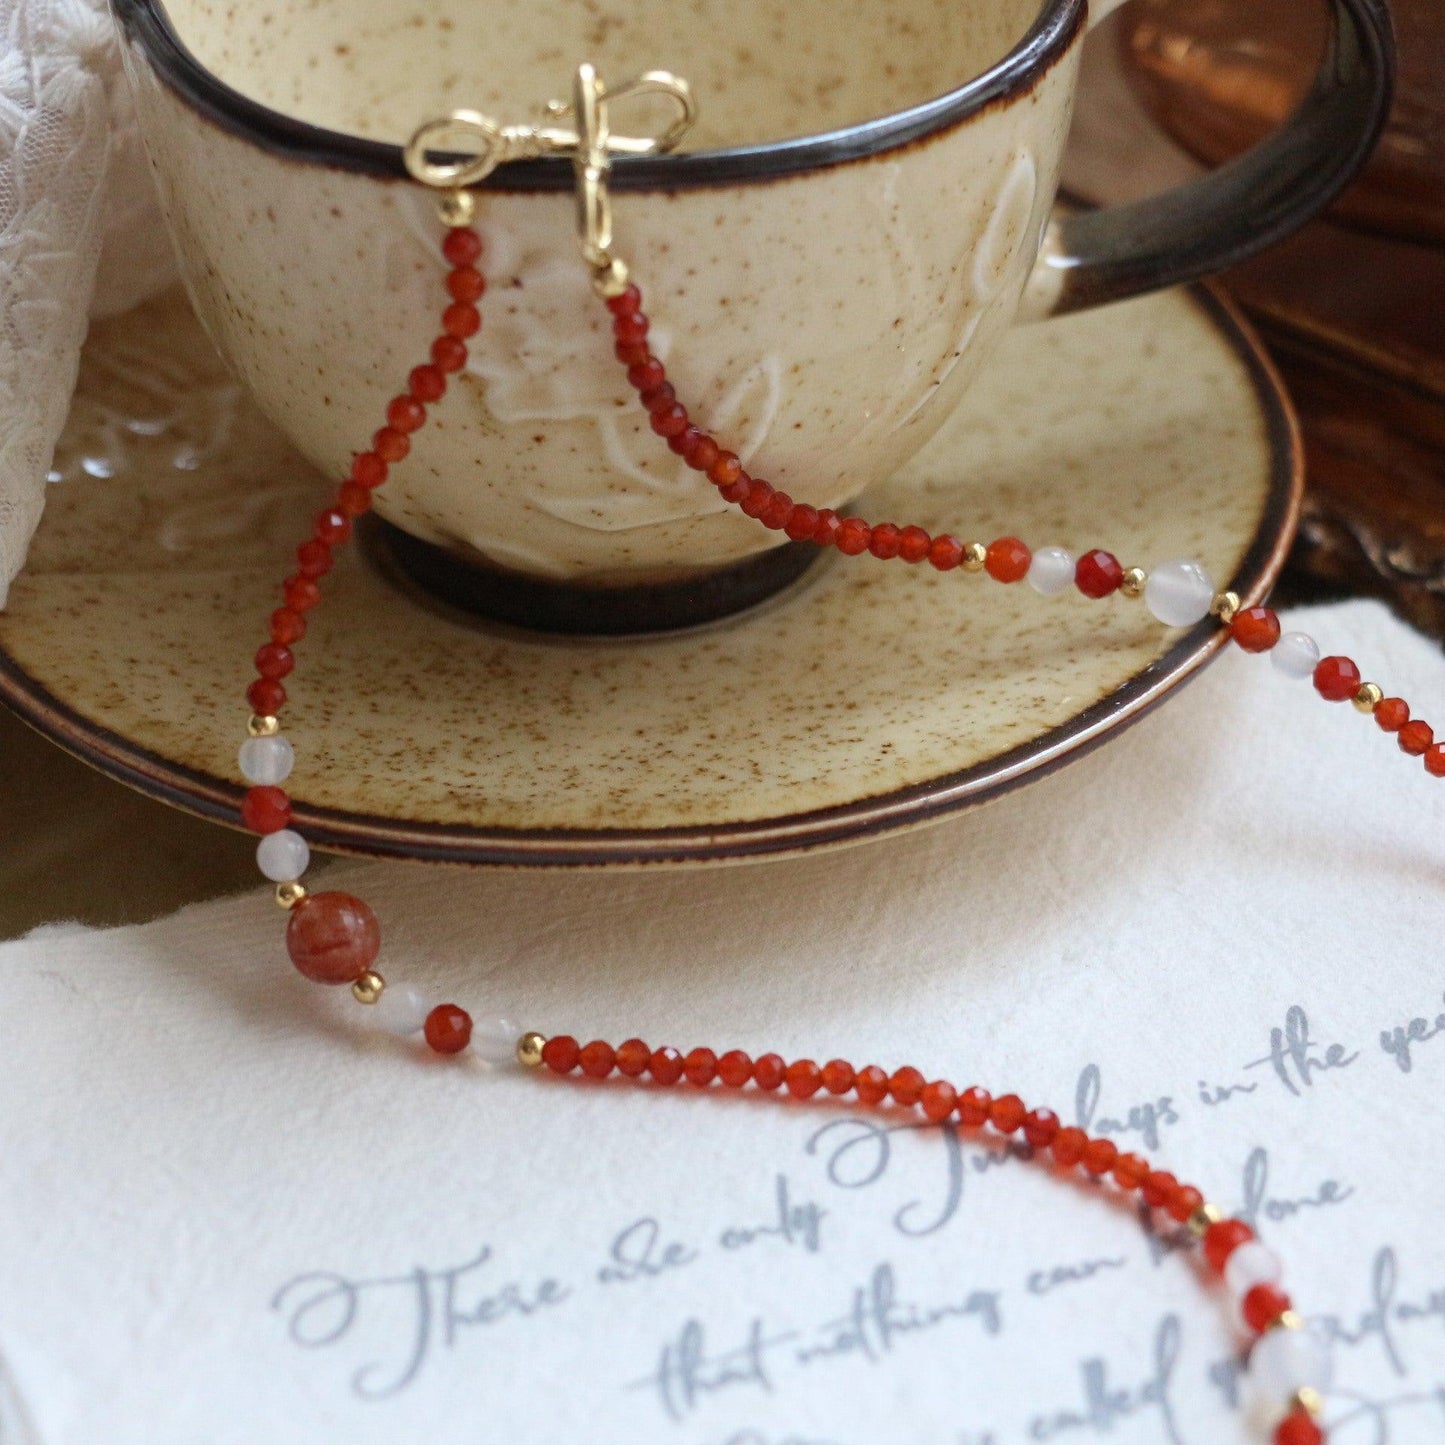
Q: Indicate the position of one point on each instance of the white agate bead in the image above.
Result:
(494, 1040)
(1296, 655)
(1249, 1264)
(1051, 571)
(283, 856)
(401, 1009)
(267, 761)
(1283, 1362)
(1179, 593)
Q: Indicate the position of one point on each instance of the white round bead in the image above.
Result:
(494, 1040)
(401, 1009)
(1179, 593)
(1249, 1264)
(267, 761)
(1051, 571)
(1296, 654)
(283, 856)
(1283, 1362)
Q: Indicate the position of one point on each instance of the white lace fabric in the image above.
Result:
(80, 232)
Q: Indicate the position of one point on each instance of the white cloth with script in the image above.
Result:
(230, 1214)
(80, 231)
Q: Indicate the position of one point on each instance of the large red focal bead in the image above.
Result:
(332, 937)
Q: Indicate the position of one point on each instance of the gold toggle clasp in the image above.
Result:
(471, 146)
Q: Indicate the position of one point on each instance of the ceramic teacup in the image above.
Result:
(862, 209)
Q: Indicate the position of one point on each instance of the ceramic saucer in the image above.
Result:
(865, 698)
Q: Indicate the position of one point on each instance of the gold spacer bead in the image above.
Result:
(368, 988)
(1203, 1217)
(263, 727)
(1133, 582)
(1308, 1399)
(975, 554)
(1224, 606)
(1288, 1320)
(288, 895)
(457, 208)
(529, 1049)
(611, 279)
(1369, 697)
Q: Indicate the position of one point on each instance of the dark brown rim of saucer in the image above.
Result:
(345, 832)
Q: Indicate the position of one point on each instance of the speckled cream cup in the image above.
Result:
(854, 229)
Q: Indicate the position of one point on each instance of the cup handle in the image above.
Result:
(1211, 223)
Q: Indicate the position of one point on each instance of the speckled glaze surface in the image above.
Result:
(824, 323)
(871, 696)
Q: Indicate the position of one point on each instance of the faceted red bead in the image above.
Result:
(427, 383)
(1255, 629)
(700, 1067)
(332, 937)
(391, 445)
(1130, 1171)
(449, 353)
(1416, 737)
(802, 522)
(854, 535)
(405, 413)
(353, 499)
(663, 394)
(1158, 1189)
(825, 534)
(1392, 713)
(273, 660)
(631, 353)
(1099, 1155)
(1006, 1113)
(461, 320)
(466, 283)
(1435, 759)
(665, 1065)
(461, 246)
(1069, 1145)
(945, 552)
(333, 527)
(265, 809)
(597, 1059)
(266, 696)
(805, 1078)
(702, 453)
(838, 1076)
(870, 1083)
(632, 327)
(647, 374)
(629, 299)
(737, 492)
(448, 1029)
(287, 626)
(769, 1072)
(669, 420)
(1184, 1201)
(313, 559)
(973, 1107)
(1041, 1127)
(1222, 1238)
(1337, 679)
(561, 1053)
(1299, 1427)
(777, 512)
(301, 593)
(632, 1058)
(906, 1085)
(938, 1099)
(368, 469)
(913, 544)
(1007, 560)
(685, 440)
(735, 1068)
(1262, 1306)
(760, 495)
(1098, 573)
(884, 541)
(725, 470)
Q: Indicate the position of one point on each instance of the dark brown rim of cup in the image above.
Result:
(146, 26)
(871, 817)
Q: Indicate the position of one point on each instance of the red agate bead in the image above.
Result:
(665, 1065)
(1255, 629)
(1392, 713)
(1099, 1155)
(700, 1067)
(332, 937)
(1007, 560)
(906, 1085)
(1299, 1427)
(461, 246)
(448, 1029)
(1222, 1238)
(1006, 1114)
(1262, 1306)
(838, 1076)
(1041, 1127)
(945, 552)
(266, 696)
(735, 1068)
(1069, 1145)
(561, 1053)
(769, 1072)
(632, 1058)
(597, 1059)
(265, 809)
(1415, 737)
(273, 660)
(973, 1107)
(938, 1099)
(1098, 573)
(870, 1083)
(1337, 679)
(804, 1078)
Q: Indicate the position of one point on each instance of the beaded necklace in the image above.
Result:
(334, 938)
